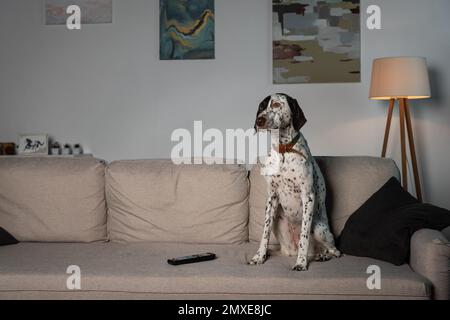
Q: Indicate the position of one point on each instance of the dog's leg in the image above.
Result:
(309, 206)
(271, 207)
(325, 240)
(321, 227)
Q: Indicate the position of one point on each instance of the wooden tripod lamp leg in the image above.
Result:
(412, 149)
(403, 145)
(388, 127)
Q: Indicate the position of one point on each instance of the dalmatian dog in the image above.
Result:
(295, 208)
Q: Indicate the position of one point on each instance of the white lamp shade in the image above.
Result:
(400, 77)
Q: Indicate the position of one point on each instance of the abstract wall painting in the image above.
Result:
(316, 41)
(187, 29)
(92, 11)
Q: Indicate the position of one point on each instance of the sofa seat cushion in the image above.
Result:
(158, 201)
(141, 269)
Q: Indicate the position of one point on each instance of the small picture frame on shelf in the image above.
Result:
(33, 144)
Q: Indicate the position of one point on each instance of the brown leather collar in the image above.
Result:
(285, 148)
(289, 148)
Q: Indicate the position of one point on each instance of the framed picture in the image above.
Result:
(316, 41)
(33, 144)
(187, 29)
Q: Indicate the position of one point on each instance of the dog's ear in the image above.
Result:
(263, 105)
(298, 117)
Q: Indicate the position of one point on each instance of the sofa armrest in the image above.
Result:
(430, 257)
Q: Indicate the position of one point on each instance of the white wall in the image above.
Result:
(105, 87)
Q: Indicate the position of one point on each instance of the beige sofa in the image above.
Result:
(119, 223)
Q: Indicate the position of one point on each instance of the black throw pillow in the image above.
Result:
(6, 238)
(383, 226)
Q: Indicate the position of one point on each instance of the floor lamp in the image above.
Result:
(400, 79)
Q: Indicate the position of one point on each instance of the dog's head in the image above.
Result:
(279, 111)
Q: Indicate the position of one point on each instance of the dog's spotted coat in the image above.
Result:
(298, 187)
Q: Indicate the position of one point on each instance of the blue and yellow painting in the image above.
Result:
(187, 29)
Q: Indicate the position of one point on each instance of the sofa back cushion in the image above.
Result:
(350, 182)
(44, 199)
(157, 201)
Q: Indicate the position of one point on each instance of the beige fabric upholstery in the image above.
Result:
(155, 200)
(156, 204)
(53, 199)
(430, 257)
(111, 270)
(350, 182)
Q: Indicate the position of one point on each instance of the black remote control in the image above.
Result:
(192, 259)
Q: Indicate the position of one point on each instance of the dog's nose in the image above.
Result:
(275, 105)
(261, 122)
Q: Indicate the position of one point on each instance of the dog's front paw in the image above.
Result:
(326, 255)
(323, 257)
(300, 267)
(337, 253)
(257, 260)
